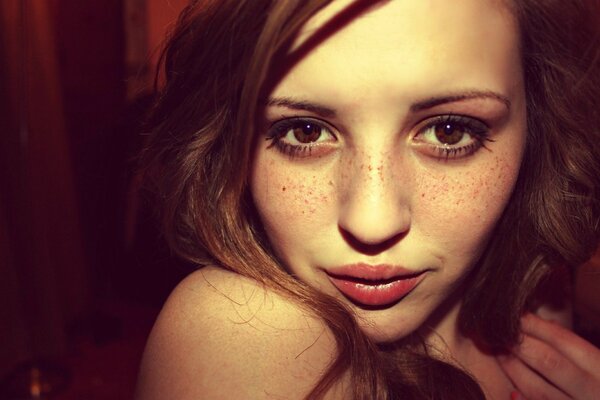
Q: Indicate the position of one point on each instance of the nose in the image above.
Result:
(374, 211)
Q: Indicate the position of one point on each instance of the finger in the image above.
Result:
(527, 381)
(575, 348)
(556, 368)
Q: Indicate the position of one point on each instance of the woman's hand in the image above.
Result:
(552, 362)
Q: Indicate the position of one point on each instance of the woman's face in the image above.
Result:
(389, 152)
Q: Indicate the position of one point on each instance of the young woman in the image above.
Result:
(374, 189)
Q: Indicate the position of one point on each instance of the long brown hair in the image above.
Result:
(216, 63)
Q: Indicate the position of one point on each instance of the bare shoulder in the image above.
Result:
(223, 336)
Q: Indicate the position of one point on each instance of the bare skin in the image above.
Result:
(375, 183)
(552, 362)
(222, 336)
(357, 165)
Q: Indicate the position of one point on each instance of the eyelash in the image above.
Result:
(476, 129)
(280, 129)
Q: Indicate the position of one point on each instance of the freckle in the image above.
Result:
(370, 168)
(283, 189)
(422, 194)
(330, 183)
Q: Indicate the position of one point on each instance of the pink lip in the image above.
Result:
(374, 285)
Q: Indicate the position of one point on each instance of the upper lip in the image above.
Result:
(371, 272)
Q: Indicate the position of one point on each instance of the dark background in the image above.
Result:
(83, 269)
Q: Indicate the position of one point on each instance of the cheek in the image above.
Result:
(460, 208)
(290, 199)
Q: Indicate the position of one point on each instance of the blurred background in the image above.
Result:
(83, 269)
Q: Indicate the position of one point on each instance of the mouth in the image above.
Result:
(374, 286)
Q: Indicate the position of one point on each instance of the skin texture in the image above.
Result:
(373, 188)
(222, 336)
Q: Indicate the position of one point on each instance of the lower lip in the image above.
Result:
(375, 294)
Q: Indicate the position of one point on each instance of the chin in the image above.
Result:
(381, 327)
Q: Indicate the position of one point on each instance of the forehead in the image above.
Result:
(412, 46)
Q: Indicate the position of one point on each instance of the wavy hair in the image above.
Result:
(217, 62)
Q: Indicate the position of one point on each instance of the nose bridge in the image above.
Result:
(370, 181)
(374, 205)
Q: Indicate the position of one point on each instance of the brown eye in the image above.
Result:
(307, 132)
(451, 136)
(302, 136)
(448, 133)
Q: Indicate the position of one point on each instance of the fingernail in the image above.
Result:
(515, 395)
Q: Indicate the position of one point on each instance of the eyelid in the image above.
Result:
(461, 119)
(298, 118)
(477, 130)
(278, 130)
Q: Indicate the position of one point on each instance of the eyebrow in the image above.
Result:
(421, 105)
(470, 95)
(288, 102)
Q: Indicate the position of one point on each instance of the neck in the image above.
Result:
(443, 336)
(446, 342)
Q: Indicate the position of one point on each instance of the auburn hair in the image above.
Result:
(217, 62)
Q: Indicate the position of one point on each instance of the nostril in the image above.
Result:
(371, 248)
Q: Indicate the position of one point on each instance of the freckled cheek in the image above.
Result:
(464, 205)
(290, 196)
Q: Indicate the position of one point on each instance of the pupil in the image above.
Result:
(307, 133)
(449, 133)
(309, 129)
(448, 129)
